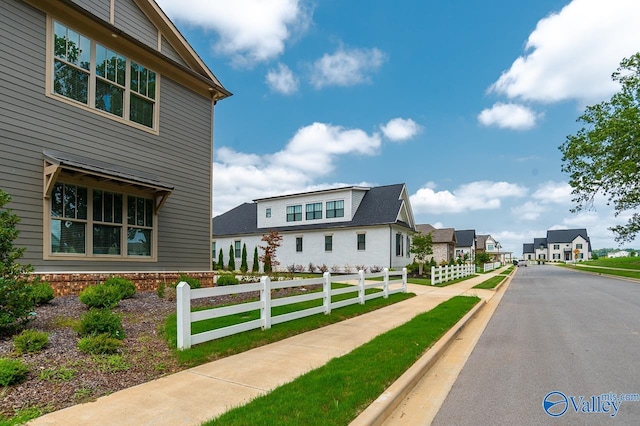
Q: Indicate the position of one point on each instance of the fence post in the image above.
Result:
(183, 313)
(326, 289)
(265, 299)
(361, 286)
(433, 275)
(385, 279)
(404, 280)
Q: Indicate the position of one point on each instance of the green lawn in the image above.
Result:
(491, 282)
(604, 271)
(337, 392)
(230, 345)
(616, 262)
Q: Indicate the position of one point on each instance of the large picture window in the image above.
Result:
(102, 79)
(90, 222)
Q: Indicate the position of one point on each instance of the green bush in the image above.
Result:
(41, 293)
(101, 321)
(101, 296)
(160, 290)
(193, 282)
(101, 344)
(12, 371)
(226, 279)
(126, 287)
(30, 341)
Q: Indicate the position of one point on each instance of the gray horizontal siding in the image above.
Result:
(129, 18)
(100, 8)
(169, 51)
(30, 122)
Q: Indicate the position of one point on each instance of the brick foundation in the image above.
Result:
(65, 284)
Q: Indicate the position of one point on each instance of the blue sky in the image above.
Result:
(464, 102)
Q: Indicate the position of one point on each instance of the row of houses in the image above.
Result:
(560, 245)
(341, 228)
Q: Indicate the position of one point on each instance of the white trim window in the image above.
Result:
(314, 211)
(335, 209)
(294, 213)
(362, 242)
(101, 79)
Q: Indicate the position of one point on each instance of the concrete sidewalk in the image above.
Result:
(193, 396)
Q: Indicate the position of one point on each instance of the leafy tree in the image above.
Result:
(604, 155)
(273, 240)
(221, 260)
(421, 247)
(483, 257)
(243, 265)
(232, 262)
(16, 302)
(256, 265)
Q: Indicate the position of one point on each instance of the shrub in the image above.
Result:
(99, 345)
(101, 296)
(312, 267)
(226, 279)
(299, 268)
(30, 341)
(101, 321)
(375, 268)
(12, 371)
(193, 282)
(232, 261)
(40, 293)
(291, 268)
(160, 290)
(126, 287)
(323, 268)
(256, 266)
(361, 268)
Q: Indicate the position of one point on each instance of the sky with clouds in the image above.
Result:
(465, 103)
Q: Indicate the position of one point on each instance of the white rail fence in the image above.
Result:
(441, 274)
(185, 295)
(491, 266)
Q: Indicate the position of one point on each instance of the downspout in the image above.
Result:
(390, 245)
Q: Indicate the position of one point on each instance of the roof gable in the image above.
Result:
(465, 238)
(566, 235)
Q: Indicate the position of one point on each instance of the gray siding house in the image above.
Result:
(106, 134)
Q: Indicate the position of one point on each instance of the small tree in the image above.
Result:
(273, 240)
(243, 265)
(232, 262)
(15, 300)
(256, 265)
(482, 258)
(221, 260)
(421, 247)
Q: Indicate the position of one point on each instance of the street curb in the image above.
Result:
(385, 404)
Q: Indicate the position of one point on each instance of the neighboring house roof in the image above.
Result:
(465, 238)
(537, 242)
(566, 235)
(380, 206)
(528, 248)
(438, 235)
(481, 241)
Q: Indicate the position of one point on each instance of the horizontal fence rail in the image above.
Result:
(184, 296)
(440, 274)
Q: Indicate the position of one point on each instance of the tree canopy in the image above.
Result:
(603, 157)
(421, 247)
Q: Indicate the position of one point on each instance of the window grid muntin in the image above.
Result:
(237, 250)
(328, 243)
(294, 213)
(335, 209)
(314, 211)
(362, 241)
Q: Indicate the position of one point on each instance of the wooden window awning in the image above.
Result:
(56, 162)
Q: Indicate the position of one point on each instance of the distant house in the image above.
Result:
(106, 115)
(444, 242)
(466, 244)
(619, 253)
(487, 244)
(341, 228)
(560, 245)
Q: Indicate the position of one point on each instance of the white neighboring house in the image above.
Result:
(466, 244)
(619, 253)
(340, 228)
(567, 245)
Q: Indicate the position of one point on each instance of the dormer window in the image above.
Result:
(314, 211)
(335, 209)
(294, 213)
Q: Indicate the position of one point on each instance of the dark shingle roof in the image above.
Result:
(465, 238)
(527, 248)
(566, 235)
(438, 235)
(537, 242)
(380, 206)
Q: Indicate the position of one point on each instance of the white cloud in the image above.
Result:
(310, 154)
(571, 54)
(346, 67)
(481, 195)
(528, 211)
(249, 31)
(282, 80)
(553, 192)
(508, 116)
(400, 129)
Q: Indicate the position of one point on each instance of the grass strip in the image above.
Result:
(337, 392)
(230, 345)
(615, 272)
(491, 282)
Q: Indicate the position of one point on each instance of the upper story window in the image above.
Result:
(314, 211)
(294, 213)
(579, 246)
(335, 209)
(102, 79)
(90, 222)
(490, 247)
(556, 246)
(268, 212)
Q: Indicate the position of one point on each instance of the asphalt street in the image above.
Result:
(560, 331)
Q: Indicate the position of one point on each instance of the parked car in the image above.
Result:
(515, 262)
(522, 263)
